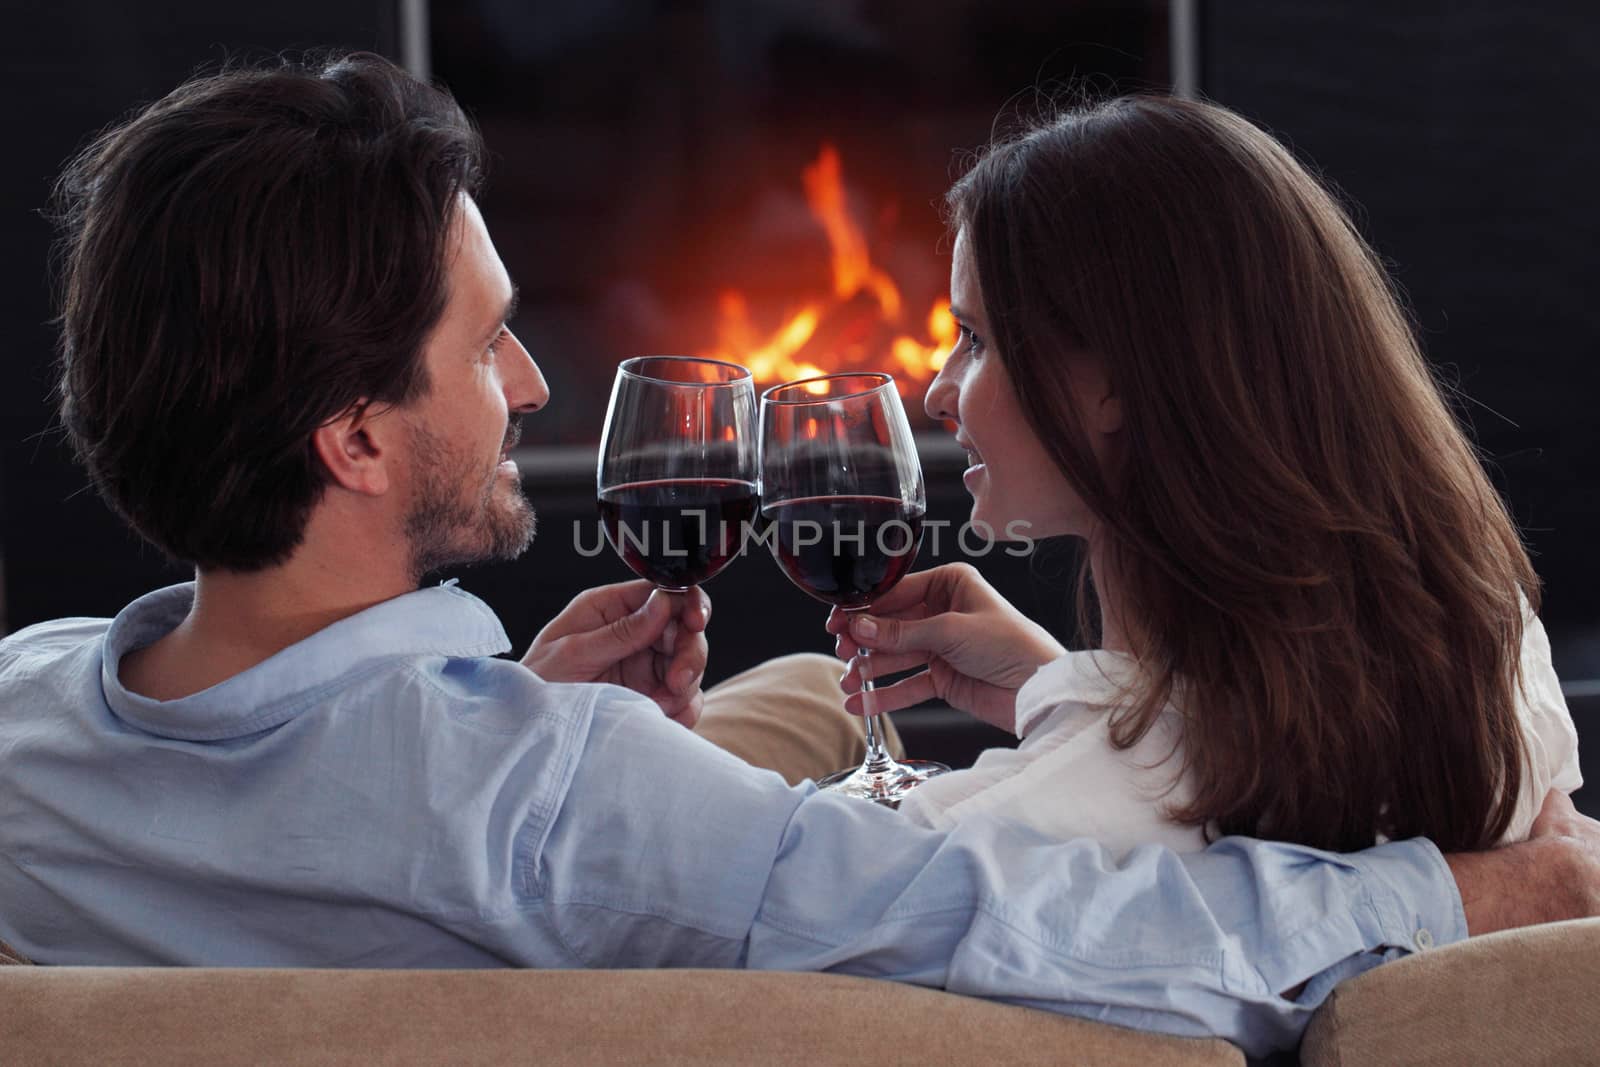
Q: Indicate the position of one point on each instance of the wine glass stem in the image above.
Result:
(878, 758)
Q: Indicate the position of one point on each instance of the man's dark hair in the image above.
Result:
(253, 255)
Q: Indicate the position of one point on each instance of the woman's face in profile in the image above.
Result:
(1010, 475)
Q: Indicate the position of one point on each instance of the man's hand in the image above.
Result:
(1578, 837)
(1554, 875)
(633, 635)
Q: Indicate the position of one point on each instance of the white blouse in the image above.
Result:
(1066, 780)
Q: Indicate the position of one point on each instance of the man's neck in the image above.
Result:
(240, 619)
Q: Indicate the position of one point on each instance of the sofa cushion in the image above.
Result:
(1528, 996)
(216, 1016)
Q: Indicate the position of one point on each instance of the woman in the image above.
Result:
(1315, 617)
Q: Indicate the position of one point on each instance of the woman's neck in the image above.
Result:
(1114, 616)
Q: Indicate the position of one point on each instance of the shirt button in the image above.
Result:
(1424, 939)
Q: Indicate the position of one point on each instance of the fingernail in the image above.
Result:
(681, 678)
(866, 627)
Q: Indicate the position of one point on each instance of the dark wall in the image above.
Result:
(1466, 133)
(68, 68)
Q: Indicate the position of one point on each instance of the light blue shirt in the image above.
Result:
(386, 794)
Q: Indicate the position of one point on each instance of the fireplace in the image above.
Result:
(755, 181)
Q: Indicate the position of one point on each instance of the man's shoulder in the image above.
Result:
(38, 647)
(489, 694)
(476, 700)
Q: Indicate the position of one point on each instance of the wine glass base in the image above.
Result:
(887, 786)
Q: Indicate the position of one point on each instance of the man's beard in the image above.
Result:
(456, 517)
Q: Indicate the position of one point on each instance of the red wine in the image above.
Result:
(845, 550)
(677, 533)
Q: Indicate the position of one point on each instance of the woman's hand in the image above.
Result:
(977, 648)
(634, 635)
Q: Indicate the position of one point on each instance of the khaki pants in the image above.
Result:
(788, 715)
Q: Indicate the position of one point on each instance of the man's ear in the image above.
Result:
(357, 448)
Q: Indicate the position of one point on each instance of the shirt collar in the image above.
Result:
(1093, 677)
(438, 621)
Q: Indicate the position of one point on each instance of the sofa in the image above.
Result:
(1524, 997)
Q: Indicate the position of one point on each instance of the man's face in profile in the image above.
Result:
(466, 503)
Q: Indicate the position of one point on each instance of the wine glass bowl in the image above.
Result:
(843, 499)
(852, 575)
(677, 475)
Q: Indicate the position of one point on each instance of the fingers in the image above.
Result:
(689, 713)
(691, 614)
(1554, 815)
(902, 694)
(694, 609)
(934, 590)
(668, 639)
(839, 619)
(630, 633)
(917, 596)
(881, 634)
(883, 663)
(887, 635)
(839, 624)
(681, 706)
(914, 589)
(682, 673)
(617, 600)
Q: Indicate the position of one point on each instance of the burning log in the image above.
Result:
(848, 333)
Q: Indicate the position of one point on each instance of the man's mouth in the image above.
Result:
(513, 435)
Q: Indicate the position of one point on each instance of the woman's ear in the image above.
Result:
(356, 448)
(1100, 406)
(1108, 413)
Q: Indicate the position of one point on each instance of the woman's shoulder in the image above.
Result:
(1549, 737)
(1067, 779)
(1076, 686)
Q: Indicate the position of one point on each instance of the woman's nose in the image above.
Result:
(940, 401)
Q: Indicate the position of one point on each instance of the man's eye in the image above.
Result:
(501, 336)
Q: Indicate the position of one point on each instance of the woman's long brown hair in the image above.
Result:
(1312, 555)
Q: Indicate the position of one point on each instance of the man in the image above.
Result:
(285, 359)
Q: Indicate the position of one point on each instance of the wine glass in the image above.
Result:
(677, 478)
(842, 493)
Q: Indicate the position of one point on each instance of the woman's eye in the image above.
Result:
(974, 342)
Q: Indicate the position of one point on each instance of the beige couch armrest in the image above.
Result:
(1529, 996)
(214, 1016)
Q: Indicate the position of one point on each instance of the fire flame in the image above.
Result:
(859, 327)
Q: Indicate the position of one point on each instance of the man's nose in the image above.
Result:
(525, 385)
